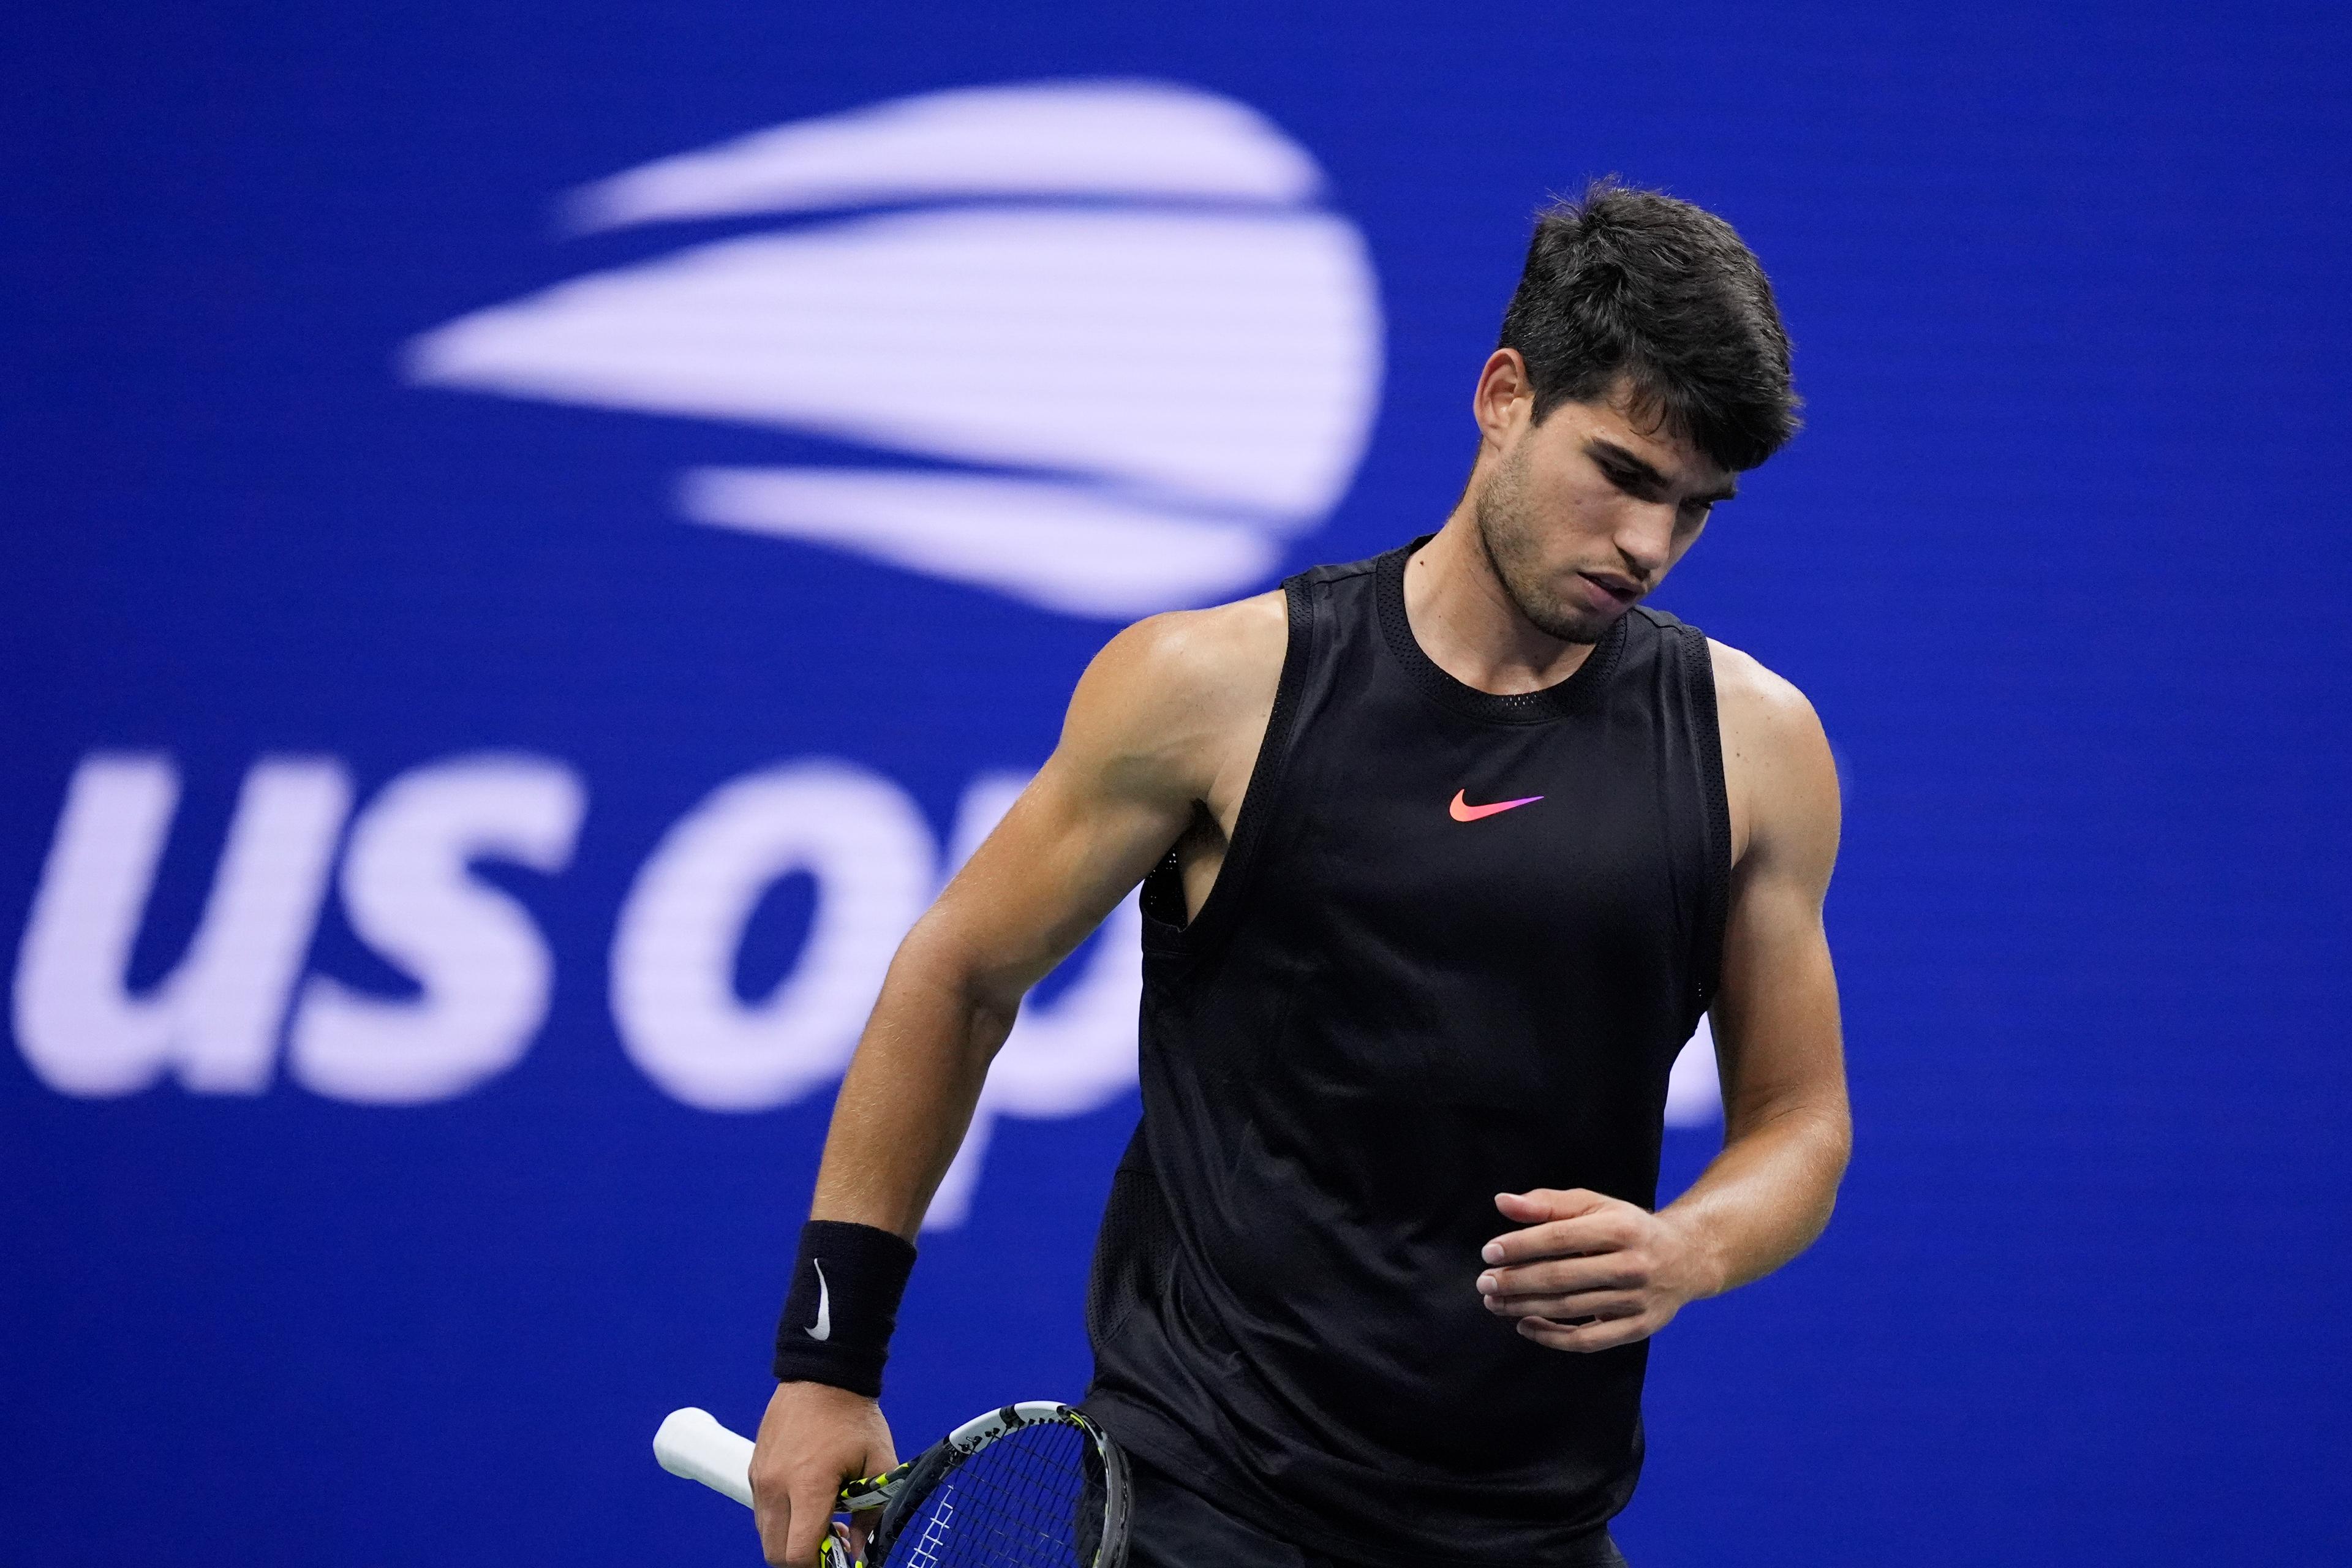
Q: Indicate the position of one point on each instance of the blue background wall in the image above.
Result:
(2059, 560)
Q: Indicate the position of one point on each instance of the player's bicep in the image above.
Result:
(1116, 793)
(1776, 1013)
(1062, 856)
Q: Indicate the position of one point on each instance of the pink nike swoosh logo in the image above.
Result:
(1461, 811)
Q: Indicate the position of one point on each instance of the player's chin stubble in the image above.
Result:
(1507, 534)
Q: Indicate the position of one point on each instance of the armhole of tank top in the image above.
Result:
(1716, 913)
(1163, 885)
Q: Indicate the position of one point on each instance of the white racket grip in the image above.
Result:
(691, 1443)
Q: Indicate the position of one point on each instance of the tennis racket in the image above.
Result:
(1030, 1486)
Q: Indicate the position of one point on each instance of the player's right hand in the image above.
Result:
(813, 1440)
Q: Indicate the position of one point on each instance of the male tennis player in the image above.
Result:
(1444, 855)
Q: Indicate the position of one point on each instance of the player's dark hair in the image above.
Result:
(1637, 286)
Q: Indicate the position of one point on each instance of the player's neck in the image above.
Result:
(1466, 623)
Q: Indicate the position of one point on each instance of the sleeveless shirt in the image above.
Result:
(1382, 1017)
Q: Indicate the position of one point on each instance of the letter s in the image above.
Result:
(484, 968)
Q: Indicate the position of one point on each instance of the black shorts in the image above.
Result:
(1170, 1526)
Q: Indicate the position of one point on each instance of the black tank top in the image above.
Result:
(1399, 999)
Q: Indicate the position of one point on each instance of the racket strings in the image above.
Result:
(1032, 1499)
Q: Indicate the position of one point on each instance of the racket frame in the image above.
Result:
(902, 1490)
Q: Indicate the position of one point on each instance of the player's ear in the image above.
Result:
(1505, 399)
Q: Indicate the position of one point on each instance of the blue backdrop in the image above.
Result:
(503, 620)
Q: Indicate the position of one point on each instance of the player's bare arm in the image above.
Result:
(1158, 745)
(1156, 751)
(1588, 1272)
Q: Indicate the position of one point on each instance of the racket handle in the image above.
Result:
(691, 1443)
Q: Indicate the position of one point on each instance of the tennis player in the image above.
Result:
(1444, 855)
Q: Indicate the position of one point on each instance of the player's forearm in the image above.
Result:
(911, 1090)
(1766, 1196)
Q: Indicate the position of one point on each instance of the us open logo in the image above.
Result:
(1136, 351)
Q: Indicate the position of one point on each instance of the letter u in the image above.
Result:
(216, 1017)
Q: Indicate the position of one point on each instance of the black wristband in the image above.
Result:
(842, 1304)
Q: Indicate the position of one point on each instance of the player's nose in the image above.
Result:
(1645, 537)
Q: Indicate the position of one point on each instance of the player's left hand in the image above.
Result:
(1588, 1272)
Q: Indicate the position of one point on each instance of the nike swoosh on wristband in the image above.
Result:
(1461, 811)
(823, 1330)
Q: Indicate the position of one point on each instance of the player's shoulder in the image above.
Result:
(1230, 652)
(1166, 703)
(1752, 697)
(1777, 762)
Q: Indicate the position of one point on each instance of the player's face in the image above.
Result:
(1584, 514)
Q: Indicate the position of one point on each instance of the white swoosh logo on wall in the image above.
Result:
(1114, 311)
(824, 1328)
